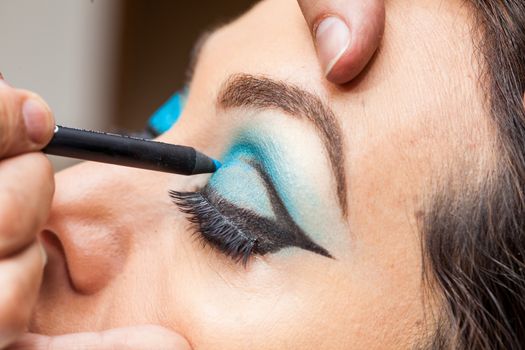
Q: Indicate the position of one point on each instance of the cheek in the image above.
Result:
(304, 306)
(262, 308)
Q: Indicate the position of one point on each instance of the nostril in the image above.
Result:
(56, 252)
(50, 239)
(57, 262)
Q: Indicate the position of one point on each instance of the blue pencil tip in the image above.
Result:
(217, 164)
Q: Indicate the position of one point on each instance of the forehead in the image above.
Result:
(416, 89)
(272, 38)
(412, 97)
(426, 50)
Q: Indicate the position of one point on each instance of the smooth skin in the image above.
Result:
(27, 183)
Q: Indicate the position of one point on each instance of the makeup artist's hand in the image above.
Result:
(132, 338)
(346, 34)
(26, 190)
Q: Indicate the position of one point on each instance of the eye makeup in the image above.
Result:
(244, 185)
(283, 163)
(240, 232)
(263, 198)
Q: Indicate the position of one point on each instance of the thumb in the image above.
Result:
(26, 121)
(133, 338)
(346, 34)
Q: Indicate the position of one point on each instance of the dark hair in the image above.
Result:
(474, 238)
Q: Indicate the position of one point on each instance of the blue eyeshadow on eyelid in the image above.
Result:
(239, 183)
(293, 188)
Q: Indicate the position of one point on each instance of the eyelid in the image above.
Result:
(263, 93)
(239, 232)
(283, 216)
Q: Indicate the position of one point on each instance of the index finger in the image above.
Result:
(346, 34)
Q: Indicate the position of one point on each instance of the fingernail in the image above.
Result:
(37, 120)
(332, 37)
(44, 253)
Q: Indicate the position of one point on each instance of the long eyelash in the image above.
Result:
(214, 227)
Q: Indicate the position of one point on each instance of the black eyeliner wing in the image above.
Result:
(270, 235)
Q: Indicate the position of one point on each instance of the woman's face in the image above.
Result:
(330, 179)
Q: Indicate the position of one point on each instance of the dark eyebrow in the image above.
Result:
(260, 92)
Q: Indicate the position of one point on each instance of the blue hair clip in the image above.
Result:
(168, 114)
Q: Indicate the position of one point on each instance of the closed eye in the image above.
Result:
(238, 232)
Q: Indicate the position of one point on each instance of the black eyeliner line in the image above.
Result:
(280, 210)
(270, 235)
(289, 233)
(240, 232)
(214, 217)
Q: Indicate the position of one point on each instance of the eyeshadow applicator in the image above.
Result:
(129, 151)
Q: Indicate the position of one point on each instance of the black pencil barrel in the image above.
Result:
(128, 151)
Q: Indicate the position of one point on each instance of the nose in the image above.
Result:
(89, 226)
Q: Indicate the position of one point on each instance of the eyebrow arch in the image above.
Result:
(259, 92)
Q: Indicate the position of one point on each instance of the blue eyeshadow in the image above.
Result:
(169, 113)
(238, 181)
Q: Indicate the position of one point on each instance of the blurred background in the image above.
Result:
(104, 64)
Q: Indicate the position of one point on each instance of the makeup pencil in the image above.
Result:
(129, 151)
